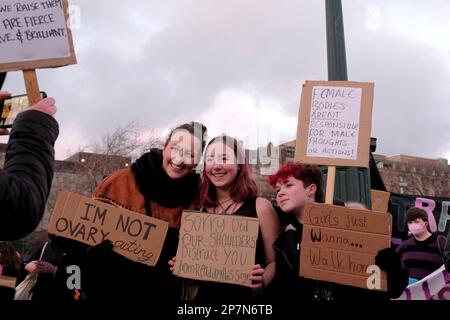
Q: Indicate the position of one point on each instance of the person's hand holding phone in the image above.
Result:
(11, 106)
(3, 95)
(46, 105)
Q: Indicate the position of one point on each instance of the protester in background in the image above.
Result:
(9, 267)
(423, 253)
(58, 254)
(160, 184)
(27, 175)
(9, 260)
(227, 188)
(295, 185)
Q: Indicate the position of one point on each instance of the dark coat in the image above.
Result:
(26, 178)
(61, 253)
(145, 189)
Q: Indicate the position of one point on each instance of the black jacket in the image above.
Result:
(61, 253)
(112, 277)
(288, 285)
(26, 178)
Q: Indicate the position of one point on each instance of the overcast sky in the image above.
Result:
(238, 66)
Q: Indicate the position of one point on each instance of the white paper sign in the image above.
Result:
(32, 30)
(334, 122)
(435, 286)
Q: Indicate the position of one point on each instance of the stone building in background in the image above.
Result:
(401, 173)
(416, 176)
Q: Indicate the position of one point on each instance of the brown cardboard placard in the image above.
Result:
(380, 200)
(342, 278)
(334, 123)
(339, 239)
(339, 243)
(134, 235)
(336, 260)
(216, 247)
(8, 282)
(343, 267)
(35, 34)
(339, 217)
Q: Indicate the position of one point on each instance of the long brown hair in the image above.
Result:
(244, 187)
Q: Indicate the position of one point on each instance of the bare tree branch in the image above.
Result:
(116, 150)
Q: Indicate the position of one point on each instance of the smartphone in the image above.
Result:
(10, 107)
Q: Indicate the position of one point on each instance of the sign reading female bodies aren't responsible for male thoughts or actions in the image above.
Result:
(34, 34)
(335, 123)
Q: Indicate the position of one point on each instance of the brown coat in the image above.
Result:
(121, 189)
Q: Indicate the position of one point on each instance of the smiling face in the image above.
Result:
(292, 195)
(181, 154)
(221, 166)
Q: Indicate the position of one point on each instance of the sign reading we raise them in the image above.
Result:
(34, 34)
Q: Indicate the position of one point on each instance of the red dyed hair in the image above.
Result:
(244, 187)
(306, 173)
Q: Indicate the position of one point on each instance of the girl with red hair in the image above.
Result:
(296, 185)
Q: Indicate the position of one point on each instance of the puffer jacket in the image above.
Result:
(26, 178)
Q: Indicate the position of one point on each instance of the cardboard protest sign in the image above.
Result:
(34, 34)
(380, 200)
(8, 282)
(216, 247)
(339, 244)
(134, 235)
(334, 123)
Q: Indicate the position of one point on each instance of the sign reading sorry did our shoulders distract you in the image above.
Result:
(216, 247)
(34, 34)
(135, 236)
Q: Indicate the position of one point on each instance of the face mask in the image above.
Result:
(416, 228)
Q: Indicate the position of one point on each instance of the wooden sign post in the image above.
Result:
(34, 34)
(331, 178)
(32, 86)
